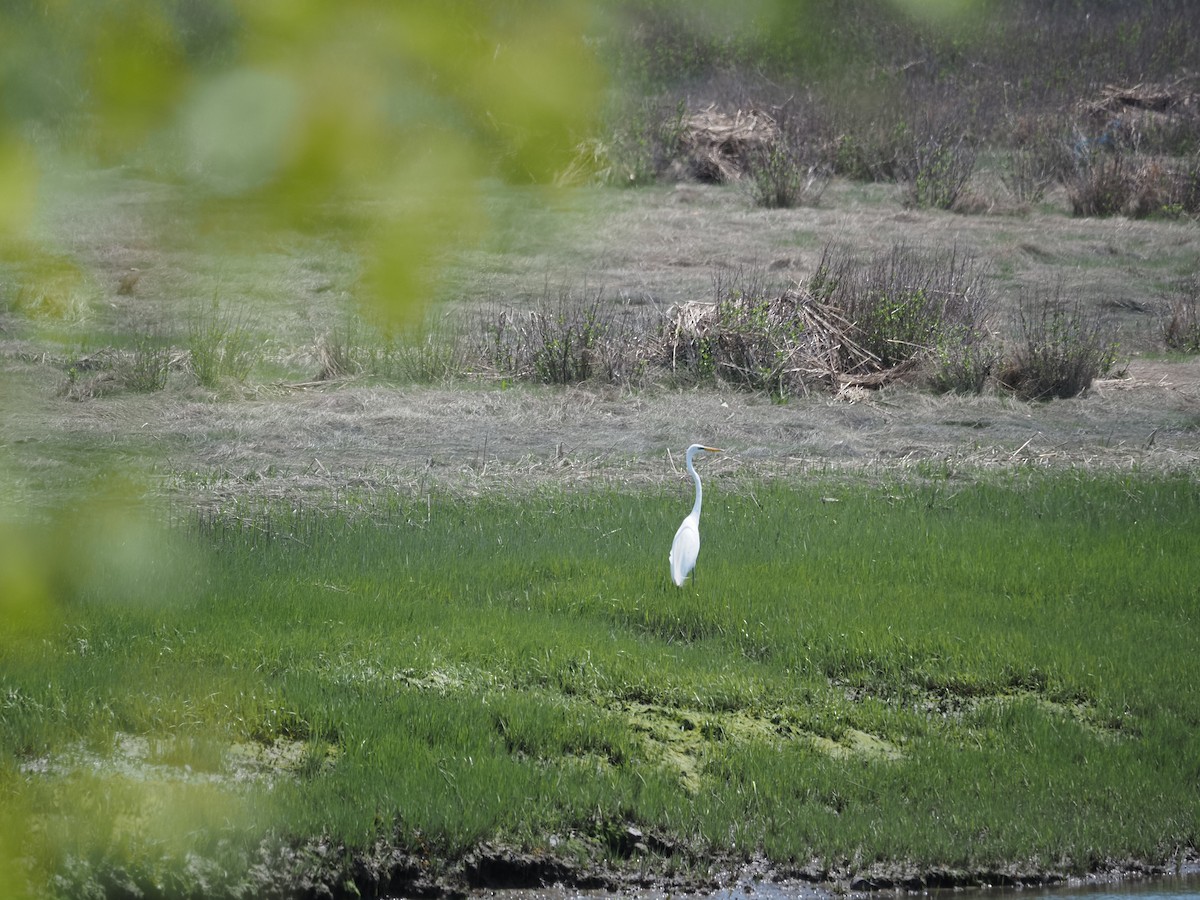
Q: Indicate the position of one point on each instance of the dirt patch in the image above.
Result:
(167, 759)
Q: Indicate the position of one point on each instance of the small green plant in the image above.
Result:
(962, 362)
(1061, 349)
(749, 337)
(431, 355)
(871, 150)
(755, 341)
(779, 179)
(566, 342)
(899, 322)
(149, 363)
(639, 144)
(939, 170)
(220, 345)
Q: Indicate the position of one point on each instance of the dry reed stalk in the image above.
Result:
(718, 146)
(785, 343)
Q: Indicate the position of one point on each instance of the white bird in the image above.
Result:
(686, 546)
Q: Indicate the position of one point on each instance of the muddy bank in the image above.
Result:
(638, 864)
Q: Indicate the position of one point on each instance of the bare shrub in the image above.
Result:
(1173, 136)
(1180, 320)
(1061, 348)
(1150, 190)
(906, 302)
(1037, 158)
(1026, 175)
(1183, 187)
(938, 169)
(1102, 184)
(1113, 182)
(567, 340)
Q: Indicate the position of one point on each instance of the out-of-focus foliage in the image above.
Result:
(384, 116)
(286, 112)
(376, 122)
(99, 549)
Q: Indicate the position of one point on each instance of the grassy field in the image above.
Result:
(897, 679)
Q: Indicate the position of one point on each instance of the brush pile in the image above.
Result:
(1178, 98)
(718, 147)
(1127, 113)
(784, 344)
(851, 325)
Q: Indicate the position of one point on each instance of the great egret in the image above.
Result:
(686, 546)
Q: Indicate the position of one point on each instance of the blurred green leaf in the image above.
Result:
(18, 186)
(289, 114)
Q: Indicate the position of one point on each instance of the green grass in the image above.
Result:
(940, 672)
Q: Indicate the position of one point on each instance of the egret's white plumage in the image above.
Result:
(686, 546)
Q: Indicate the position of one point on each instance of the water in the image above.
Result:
(1184, 887)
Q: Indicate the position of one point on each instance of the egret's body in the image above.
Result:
(686, 546)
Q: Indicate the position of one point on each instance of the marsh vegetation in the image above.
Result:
(969, 679)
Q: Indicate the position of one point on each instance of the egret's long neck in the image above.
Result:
(699, 490)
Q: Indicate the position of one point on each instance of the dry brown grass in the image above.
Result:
(718, 147)
(337, 445)
(282, 436)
